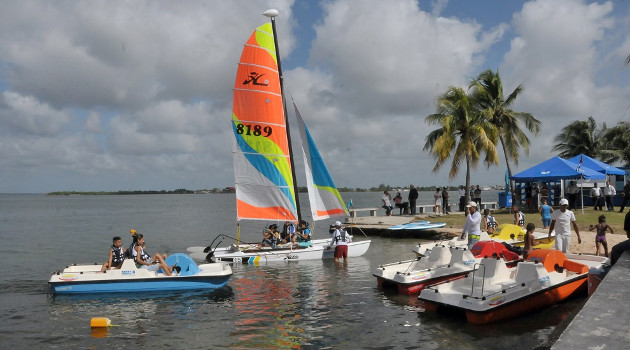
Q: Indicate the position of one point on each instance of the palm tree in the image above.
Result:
(617, 144)
(581, 136)
(627, 60)
(488, 94)
(463, 135)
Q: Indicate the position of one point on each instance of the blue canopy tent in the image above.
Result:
(596, 165)
(556, 169)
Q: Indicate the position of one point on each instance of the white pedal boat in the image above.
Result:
(494, 292)
(441, 264)
(76, 279)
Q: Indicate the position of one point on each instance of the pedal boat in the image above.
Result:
(441, 264)
(77, 279)
(494, 292)
(253, 254)
(506, 233)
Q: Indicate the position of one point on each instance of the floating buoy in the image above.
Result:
(99, 322)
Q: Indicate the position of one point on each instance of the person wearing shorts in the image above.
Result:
(561, 221)
(340, 239)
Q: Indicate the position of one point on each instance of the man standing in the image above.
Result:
(445, 209)
(562, 220)
(462, 197)
(340, 239)
(413, 196)
(472, 227)
(625, 196)
(609, 193)
(572, 191)
(595, 194)
(619, 248)
(477, 194)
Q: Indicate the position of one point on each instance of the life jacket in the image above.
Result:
(521, 219)
(343, 235)
(129, 254)
(491, 221)
(143, 255)
(117, 255)
(302, 239)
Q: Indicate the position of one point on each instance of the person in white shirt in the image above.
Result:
(609, 193)
(561, 221)
(595, 196)
(472, 227)
(386, 203)
(462, 197)
(340, 239)
(572, 192)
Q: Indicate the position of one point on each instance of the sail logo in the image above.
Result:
(253, 78)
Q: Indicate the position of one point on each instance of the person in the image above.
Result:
(519, 217)
(403, 206)
(437, 201)
(413, 197)
(477, 195)
(304, 234)
(386, 203)
(609, 193)
(535, 197)
(625, 196)
(529, 240)
(556, 195)
(145, 261)
(472, 227)
(544, 193)
(517, 196)
(600, 238)
(595, 196)
(116, 255)
(271, 236)
(445, 201)
(545, 211)
(572, 191)
(561, 221)
(489, 222)
(340, 239)
(528, 197)
(288, 232)
(618, 249)
(462, 197)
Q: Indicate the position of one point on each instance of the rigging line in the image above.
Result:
(624, 114)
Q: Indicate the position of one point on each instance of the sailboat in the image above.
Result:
(265, 181)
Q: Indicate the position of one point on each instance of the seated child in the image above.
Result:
(116, 255)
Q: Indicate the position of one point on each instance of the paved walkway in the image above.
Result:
(604, 321)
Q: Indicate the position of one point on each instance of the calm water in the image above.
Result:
(316, 304)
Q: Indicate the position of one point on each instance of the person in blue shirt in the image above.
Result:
(545, 211)
(303, 234)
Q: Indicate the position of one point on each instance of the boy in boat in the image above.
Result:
(303, 235)
(529, 240)
(116, 255)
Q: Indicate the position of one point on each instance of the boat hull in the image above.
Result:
(78, 279)
(416, 287)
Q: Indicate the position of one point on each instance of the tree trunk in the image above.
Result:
(467, 181)
(509, 169)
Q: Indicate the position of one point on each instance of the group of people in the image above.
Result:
(137, 252)
(440, 200)
(298, 238)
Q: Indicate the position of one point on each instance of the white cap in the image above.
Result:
(337, 223)
(472, 204)
(564, 201)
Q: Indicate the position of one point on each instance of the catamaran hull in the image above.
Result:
(243, 255)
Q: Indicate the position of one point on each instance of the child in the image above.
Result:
(529, 240)
(600, 238)
(116, 255)
(519, 217)
(545, 211)
(490, 223)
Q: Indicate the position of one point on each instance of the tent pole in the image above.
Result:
(582, 195)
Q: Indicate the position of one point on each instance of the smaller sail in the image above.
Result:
(323, 195)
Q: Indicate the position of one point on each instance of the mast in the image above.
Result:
(272, 13)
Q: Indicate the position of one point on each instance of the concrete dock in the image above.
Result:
(604, 321)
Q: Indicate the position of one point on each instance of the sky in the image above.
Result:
(137, 95)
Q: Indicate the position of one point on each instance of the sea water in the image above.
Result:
(307, 304)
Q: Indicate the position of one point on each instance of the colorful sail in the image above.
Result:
(263, 180)
(324, 197)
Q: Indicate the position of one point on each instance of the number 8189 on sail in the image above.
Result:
(257, 130)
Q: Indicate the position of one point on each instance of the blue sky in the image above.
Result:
(104, 95)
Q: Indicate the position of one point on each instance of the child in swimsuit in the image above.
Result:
(600, 238)
(529, 240)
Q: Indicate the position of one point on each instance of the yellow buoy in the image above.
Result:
(98, 322)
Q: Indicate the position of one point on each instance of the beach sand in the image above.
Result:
(588, 241)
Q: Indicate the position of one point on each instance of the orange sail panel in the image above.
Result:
(262, 169)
